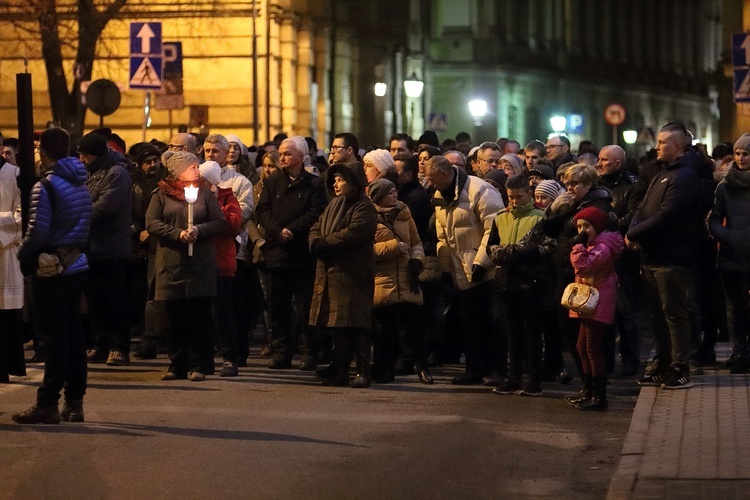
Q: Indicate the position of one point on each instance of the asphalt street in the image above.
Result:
(280, 434)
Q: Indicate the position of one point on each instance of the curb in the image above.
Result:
(622, 484)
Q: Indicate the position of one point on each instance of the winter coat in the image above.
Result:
(594, 264)
(521, 252)
(668, 223)
(179, 276)
(463, 227)
(242, 189)
(345, 272)
(110, 187)
(64, 222)
(417, 199)
(560, 226)
(294, 205)
(226, 250)
(143, 187)
(11, 279)
(393, 282)
(729, 220)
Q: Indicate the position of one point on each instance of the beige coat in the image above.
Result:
(392, 279)
(11, 283)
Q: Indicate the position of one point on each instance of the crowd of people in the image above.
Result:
(400, 258)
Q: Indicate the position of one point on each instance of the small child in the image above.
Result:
(593, 258)
(546, 192)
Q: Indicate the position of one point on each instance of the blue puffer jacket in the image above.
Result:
(68, 223)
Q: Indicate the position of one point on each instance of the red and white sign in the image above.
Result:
(614, 114)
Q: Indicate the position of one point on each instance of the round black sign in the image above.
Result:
(103, 97)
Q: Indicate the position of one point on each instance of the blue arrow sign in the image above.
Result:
(740, 49)
(145, 39)
(145, 73)
(742, 85)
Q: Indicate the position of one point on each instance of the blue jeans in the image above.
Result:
(668, 289)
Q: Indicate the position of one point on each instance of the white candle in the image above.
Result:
(191, 195)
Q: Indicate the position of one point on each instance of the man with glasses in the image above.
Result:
(456, 158)
(488, 158)
(344, 149)
(183, 142)
(558, 151)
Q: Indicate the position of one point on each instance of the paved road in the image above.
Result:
(271, 434)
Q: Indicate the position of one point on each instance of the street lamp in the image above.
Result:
(630, 136)
(478, 108)
(558, 123)
(413, 87)
(380, 89)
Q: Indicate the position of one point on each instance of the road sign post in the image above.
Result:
(614, 114)
(145, 56)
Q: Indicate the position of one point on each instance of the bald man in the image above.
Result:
(184, 142)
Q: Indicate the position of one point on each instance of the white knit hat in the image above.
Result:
(235, 139)
(380, 158)
(211, 171)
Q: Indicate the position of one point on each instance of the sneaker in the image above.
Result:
(695, 369)
(118, 358)
(531, 389)
(229, 369)
(678, 380)
(197, 377)
(38, 415)
(509, 387)
(654, 380)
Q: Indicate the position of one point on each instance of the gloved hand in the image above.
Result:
(582, 238)
(501, 255)
(477, 273)
(415, 267)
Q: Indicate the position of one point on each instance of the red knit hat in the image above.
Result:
(594, 216)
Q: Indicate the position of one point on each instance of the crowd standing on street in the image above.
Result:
(399, 258)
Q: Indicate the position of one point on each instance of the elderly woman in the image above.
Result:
(511, 165)
(342, 240)
(728, 222)
(186, 283)
(580, 181)
(399, 258)
(379, 163)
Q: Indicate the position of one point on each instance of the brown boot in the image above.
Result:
(72, 411)
(38, 415)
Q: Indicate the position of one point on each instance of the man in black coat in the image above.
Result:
(411, 192)
(290, 203)
(666, 229)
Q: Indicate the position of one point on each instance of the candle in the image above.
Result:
(191, 195)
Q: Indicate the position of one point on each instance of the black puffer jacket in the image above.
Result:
(732, 204)
(668, 223)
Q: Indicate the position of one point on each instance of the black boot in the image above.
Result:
(584, 394)
(38, 415)
(363, 344)
(598, 401)
(72, 411)
(339, 368)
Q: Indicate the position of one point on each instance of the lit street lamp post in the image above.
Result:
(413, 87)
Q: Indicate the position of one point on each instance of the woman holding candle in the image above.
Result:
(186, 283)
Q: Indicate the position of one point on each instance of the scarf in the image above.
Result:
(737, 178)
(333, 216)
(175, 188)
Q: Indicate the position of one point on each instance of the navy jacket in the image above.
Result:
(109, 185)
(66, 223)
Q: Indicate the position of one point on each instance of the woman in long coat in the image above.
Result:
(342, 240)
(186, 284)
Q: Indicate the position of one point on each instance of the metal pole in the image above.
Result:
(614, 134)
(256, 116)
(27, 178)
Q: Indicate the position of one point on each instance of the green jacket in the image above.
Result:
(513, 224)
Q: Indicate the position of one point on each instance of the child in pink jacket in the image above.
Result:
(593, 258)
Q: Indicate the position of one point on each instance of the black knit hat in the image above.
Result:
(429, 137)
(93, 144)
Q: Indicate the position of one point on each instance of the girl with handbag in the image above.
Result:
(593, 258)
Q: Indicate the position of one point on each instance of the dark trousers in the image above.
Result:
(109, 304)
(247, 297)
(628, 291)
(12, 361)
(154, 320)
(191, 335)
(736, 286)
(388, 321)
(290, 294)
(57, 320)
(568, 326)
(223, 313)
(484, 330)
(524, 333)
(138, 279)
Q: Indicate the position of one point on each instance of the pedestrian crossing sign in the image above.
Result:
(145, 73)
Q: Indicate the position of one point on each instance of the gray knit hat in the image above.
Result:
(549, 188)
(743, 142)
(178, 161)
(379, 188)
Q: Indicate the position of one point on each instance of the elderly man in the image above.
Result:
(610, 168)
(216, 148)
(465, 207)
(488, 158)
(290, 203)
(666, 229)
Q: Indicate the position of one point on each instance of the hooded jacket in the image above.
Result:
(342, 240)
(110, 187)
(463, 227)
(594, 264)
(64, 223)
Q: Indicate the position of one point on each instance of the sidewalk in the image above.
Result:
(692, 443)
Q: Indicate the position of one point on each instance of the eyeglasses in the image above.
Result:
(571, 184)
(177, 147)
(491, 161)
(550, 146)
